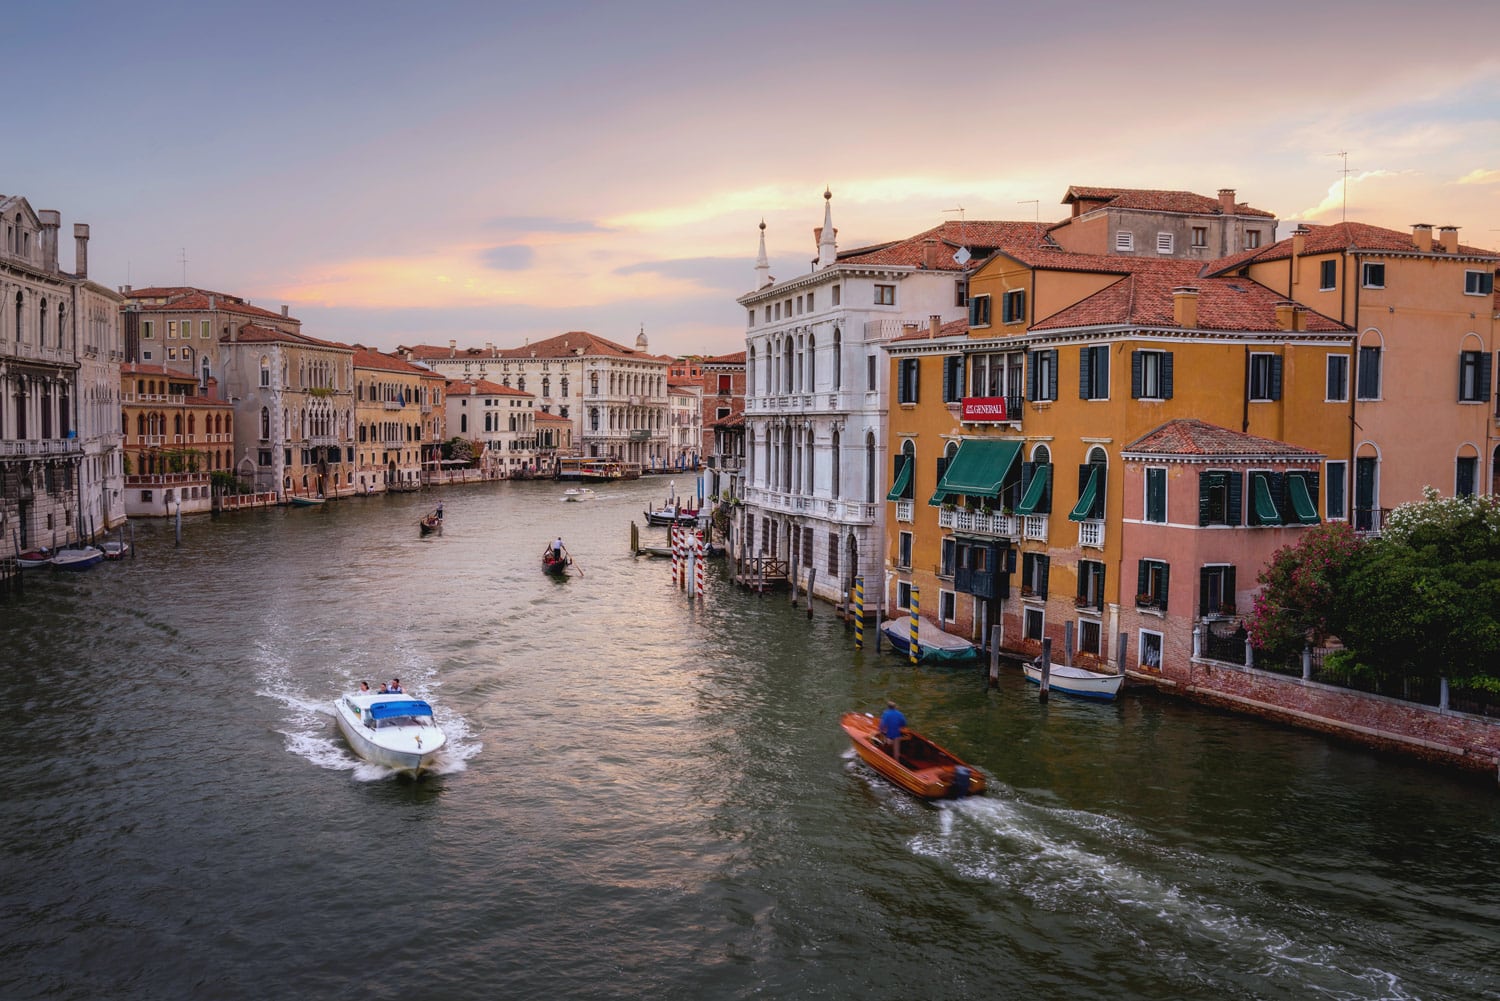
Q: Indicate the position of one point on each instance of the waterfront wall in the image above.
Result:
(1427, 732)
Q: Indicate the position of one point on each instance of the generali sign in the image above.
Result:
(984, 408)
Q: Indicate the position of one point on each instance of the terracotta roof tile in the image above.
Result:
(1153, 200)
(255, 333)
(370, 359)
(1339, 237)
(1192, 437)
(476, 387)
(953, 328)
(184, 299)
(546, 418)
(980, 237)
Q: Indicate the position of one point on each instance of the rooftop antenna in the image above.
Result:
(1036, 205)
(182, 259)
(963, 255)
(1344, 186)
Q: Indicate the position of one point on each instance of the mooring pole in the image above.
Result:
(994, 656)
(812, 575)
(1046, 667)
(859, 613)
(913, 648)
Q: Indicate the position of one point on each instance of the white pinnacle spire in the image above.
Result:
(762, 264)
(827, 251)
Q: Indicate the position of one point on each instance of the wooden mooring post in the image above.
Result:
(1046, 667)
(812, 576)
(994, 656)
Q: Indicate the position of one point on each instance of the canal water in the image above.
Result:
(646, 797)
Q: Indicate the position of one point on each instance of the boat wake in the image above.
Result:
(1081, 864)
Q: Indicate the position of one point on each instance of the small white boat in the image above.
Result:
(77, 559)
(578, 494)
(35, 558)
(396, 731)
(1079, 681)
(303, 500)
(114, 550)
(934, 646)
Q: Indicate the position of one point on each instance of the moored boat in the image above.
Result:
(35, 558)
(396, 731)
(933, 645)
(114, 549)
(80, 558)
(303, 500)
(1079, 681)
(672, 516)
(925, 768)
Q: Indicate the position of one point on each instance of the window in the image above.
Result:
(1164, 243)
(953, 378)
(836, 297)
(1328, 272)
(1151, 375)
(1369, 373)
(1034, 624)
(1219, 498)
(1265, 494)
(1150, 650)
(1252, 238)
(148, 331)
(908, 375)
(871, 382)
(171, 330)
(1265, 377)
(1200, 237)
(947, 606)
(1156, 495)
(1335, 475)
(903, 551)
(1124, 241)
(1338, 379)
(833, 555)
(945, 567)
(1093, 372)
(960, 293)
(1473, 376)
(1034, 570)
(1216, 590)
(1090, 585)
(1466, 476)
(1479, 282)
(1014, 306)
(903, 594)
(1372, 275)
(752, 319)
(979, 311)
(885, 295)
(1041, 375)
(1151, 578)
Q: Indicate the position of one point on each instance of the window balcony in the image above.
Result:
(1150, 602)
(905, 509)
(975, 523)
(1035, 528)
(1091, 534)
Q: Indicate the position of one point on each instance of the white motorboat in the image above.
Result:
(578, 494)
(396, 731)
(114, 550)
(1079, 681)
(77, 559)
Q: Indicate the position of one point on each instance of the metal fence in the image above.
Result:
(1424, 691)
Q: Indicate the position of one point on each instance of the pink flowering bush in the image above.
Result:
(1298, 603)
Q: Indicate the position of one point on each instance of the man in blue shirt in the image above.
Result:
(892, 724)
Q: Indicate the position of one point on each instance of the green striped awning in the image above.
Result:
(1085, 503)
(903, 480)
(1260, 493)
(1302, 502)
(1035, 490)
(978, 469)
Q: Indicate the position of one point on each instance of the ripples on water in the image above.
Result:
(647, 797)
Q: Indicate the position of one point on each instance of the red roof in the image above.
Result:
(923, 332)
(184, 299)
(737, 358)
(981, 238)
(1340, 237)
(1153, 200)
(1192, 437)
(255, 333)
(476, 387)
(576, 342)
(545, 417)
(369, 358)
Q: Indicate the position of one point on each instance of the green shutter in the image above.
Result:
(1036, 489)
(903, 479)
(1304, 506)
(1264, 504)
(1083, 510)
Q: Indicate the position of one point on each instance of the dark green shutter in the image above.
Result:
(1166, 578)
(1203, 578)
(947, 379)
(1135, 375)
(1484, 375)
(1166, 375)
(1142, 576)
(1236, 494)
(1275, 377)
(1052, 376)
(1031, 374)
(1046, 571)
(1206, 483)
(1085, 386)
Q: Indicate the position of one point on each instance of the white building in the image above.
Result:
(500, 420)
(816, 393)
(61, 468)
(684, 423)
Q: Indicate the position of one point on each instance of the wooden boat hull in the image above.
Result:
(1077, 681)
(925, 769)
(662, 519)
(556, 568)
(426, 527)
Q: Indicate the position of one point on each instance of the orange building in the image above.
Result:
(177, 433)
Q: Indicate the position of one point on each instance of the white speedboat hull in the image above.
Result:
(77, 559)
(1077, 681)
(404, 743)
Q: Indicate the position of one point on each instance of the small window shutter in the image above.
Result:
(1463, 356)
(1166, 576)
(1083, 476)
(1085, 387)
(1156, 496)
(947, 379)
(1166, 375)
(1204, 577)
(1031, 375)
(1236, 488)
(1101, 373)
(1045, 569)
(1045, 507)
(1228, 585)
(1277, 485)
(1484, 375)
(1052, 376)
(1142, 576)
(1276, 377)
(1028, 470)
(1205, 484)
(1099, 584)
(1135, 375)
(1097, 511)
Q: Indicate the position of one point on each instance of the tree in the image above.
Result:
(1298, 603)
(1424, 598)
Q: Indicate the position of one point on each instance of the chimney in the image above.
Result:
(1421, 236)
(81, 249)
(934, 324)
(1285, 318)
(1185, 306)
(1449, 237)
(51, 221)
(909, 329)
(1299, 317)
(1226, 201)
(1299, 247)
(286, 311)
(124, 289)
(929, 254)
(212, 302)
(452, 347)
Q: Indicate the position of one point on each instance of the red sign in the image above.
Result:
(984, 408)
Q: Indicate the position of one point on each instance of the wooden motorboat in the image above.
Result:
(303, 500)
(925, 768)
(1079, 681)
(396, 731)
(933, 645)
(672, 516)
(80, 558)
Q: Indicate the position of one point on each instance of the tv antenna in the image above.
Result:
(1344, 185)
(963, 256)
(183, 259)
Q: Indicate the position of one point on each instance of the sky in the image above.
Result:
(491, 172)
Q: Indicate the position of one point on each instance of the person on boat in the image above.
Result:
(892, 724)
(383, 689)
(364, 688)
(395, 688)
(439, 511)
(557, 548)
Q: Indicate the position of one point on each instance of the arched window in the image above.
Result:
(140, 425)
(192, 425)
(838, 358)
(41, 319)
(593, 418)
(870, 468)
(177, 425)
(265, 424)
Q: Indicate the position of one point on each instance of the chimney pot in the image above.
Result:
(1421, 236)
(1226, 201)
(286, 311)
(934, 323)
(81, 243)
(1185, 306)
(1449, 236)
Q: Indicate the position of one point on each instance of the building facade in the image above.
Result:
(498, 422)
(177, 434)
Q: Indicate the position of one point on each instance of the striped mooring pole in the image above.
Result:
(698, 569)
(859, 613)
(912, 649)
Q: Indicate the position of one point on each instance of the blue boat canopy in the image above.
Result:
(406, 707)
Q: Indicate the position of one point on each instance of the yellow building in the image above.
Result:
(397, 414)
